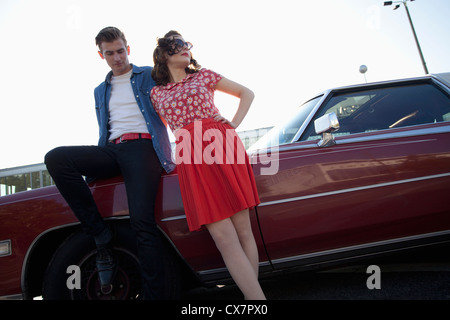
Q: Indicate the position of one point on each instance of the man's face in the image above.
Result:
(116, 55)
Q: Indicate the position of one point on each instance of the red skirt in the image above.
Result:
(216, 179)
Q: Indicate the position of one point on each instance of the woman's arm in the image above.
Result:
(245, 95)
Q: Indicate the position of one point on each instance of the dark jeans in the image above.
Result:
(137, 161)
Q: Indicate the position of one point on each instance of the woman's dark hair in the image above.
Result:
(160, 72)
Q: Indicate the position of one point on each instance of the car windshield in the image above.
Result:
(384, 108)
(285, 132)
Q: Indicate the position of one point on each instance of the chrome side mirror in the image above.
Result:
(325, 125)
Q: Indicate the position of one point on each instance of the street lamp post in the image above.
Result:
(363, 70)
(388, 3)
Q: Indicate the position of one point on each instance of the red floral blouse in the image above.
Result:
(191, 99)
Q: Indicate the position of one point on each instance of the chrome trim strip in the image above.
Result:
(18, 296)
(311, 114)
(379, 185)
(361, 246)
(383, 135)
(224, 269)
(213, 271)
(438, 80)
(180, 217)
(401, 134)
(324, 194)
(339, 250)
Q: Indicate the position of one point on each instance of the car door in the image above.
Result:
(385, 181)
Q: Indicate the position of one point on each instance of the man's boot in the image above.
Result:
(106, 267)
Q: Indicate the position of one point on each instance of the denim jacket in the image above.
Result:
(142, 83)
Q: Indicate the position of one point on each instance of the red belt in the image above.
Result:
(132, 136)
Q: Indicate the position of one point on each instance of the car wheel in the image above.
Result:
(72, 273)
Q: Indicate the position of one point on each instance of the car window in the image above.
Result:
(384, 108)
(285, 132)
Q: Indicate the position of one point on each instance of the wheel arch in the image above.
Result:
(45, 245)
(39, 255)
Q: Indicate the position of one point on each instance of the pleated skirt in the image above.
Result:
(216, 179)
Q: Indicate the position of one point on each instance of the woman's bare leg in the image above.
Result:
(241, 222)
(227, 241)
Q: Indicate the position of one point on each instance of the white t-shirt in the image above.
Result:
(124, 113)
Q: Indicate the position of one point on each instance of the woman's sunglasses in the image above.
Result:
(176, 45)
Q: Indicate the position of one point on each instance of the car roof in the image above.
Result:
(441, 77)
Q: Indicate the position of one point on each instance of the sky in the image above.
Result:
(286, 51)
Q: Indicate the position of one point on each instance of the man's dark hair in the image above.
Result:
(109, 34)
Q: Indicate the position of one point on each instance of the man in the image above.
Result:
(134, 143)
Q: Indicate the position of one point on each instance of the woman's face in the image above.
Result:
(179, 54)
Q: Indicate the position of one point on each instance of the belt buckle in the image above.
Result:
(121, 139)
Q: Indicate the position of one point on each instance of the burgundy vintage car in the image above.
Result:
(355, 172)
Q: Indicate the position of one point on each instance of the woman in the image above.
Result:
(217, 188)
